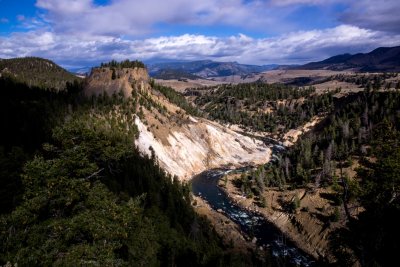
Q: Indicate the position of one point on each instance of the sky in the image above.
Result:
(82, 33)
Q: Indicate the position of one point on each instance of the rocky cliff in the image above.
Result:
(200, 145)
(182, 144)
(115, 80)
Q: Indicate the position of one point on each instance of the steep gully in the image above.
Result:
(267, 236)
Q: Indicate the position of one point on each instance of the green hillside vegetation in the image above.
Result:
(37, 72)
(28, 115)
(245, 103)
(79, 193)
(176, 98)
(370, 81)
(363, 127)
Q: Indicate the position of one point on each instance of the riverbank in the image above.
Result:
(229, 231)
(309, 226)
(264, 235)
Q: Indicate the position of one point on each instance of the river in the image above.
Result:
(205, 185)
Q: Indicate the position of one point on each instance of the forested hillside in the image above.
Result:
(75, 190)
(263, 107)
(364, 131)
(37, 72)
(362, 134)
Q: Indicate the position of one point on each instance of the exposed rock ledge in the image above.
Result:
(201, 145)
(127, 79)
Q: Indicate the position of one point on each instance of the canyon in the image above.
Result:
(183, 145)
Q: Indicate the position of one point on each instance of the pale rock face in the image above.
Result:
(201, 145)
(126, 79)
(293, 135)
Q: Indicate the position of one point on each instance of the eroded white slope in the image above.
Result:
(201, 145)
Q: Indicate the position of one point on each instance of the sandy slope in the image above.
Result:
(201, 145)
(293, 135)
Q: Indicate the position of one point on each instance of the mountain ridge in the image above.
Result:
(386, 59)
(208, 68)
(37, 72)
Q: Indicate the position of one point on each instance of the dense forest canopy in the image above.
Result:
(264, 107)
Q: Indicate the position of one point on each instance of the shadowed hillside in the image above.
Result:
(385, 59)
(37, 72)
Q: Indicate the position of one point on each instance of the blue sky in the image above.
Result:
(78, 33)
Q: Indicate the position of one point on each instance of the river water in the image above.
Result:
(205, 185)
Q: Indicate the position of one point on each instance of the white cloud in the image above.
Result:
(79, 32)
(130, 18)
(380, 15)
(133, 17)
(295, 47)
(302, 2)
(61, 7)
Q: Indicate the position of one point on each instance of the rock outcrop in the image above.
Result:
(182, 144)
(200, 145)
(115, 80)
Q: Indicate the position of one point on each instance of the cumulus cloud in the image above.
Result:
(132, 17)
(382, 15)
(83, 33)
(302, 2)
(140, 18)
(295, 47)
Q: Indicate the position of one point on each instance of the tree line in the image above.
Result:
(123, 64)
(264, 107)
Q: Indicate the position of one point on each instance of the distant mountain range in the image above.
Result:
(386, 59)
(171, 74)
(383, 59)
(203, 69)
